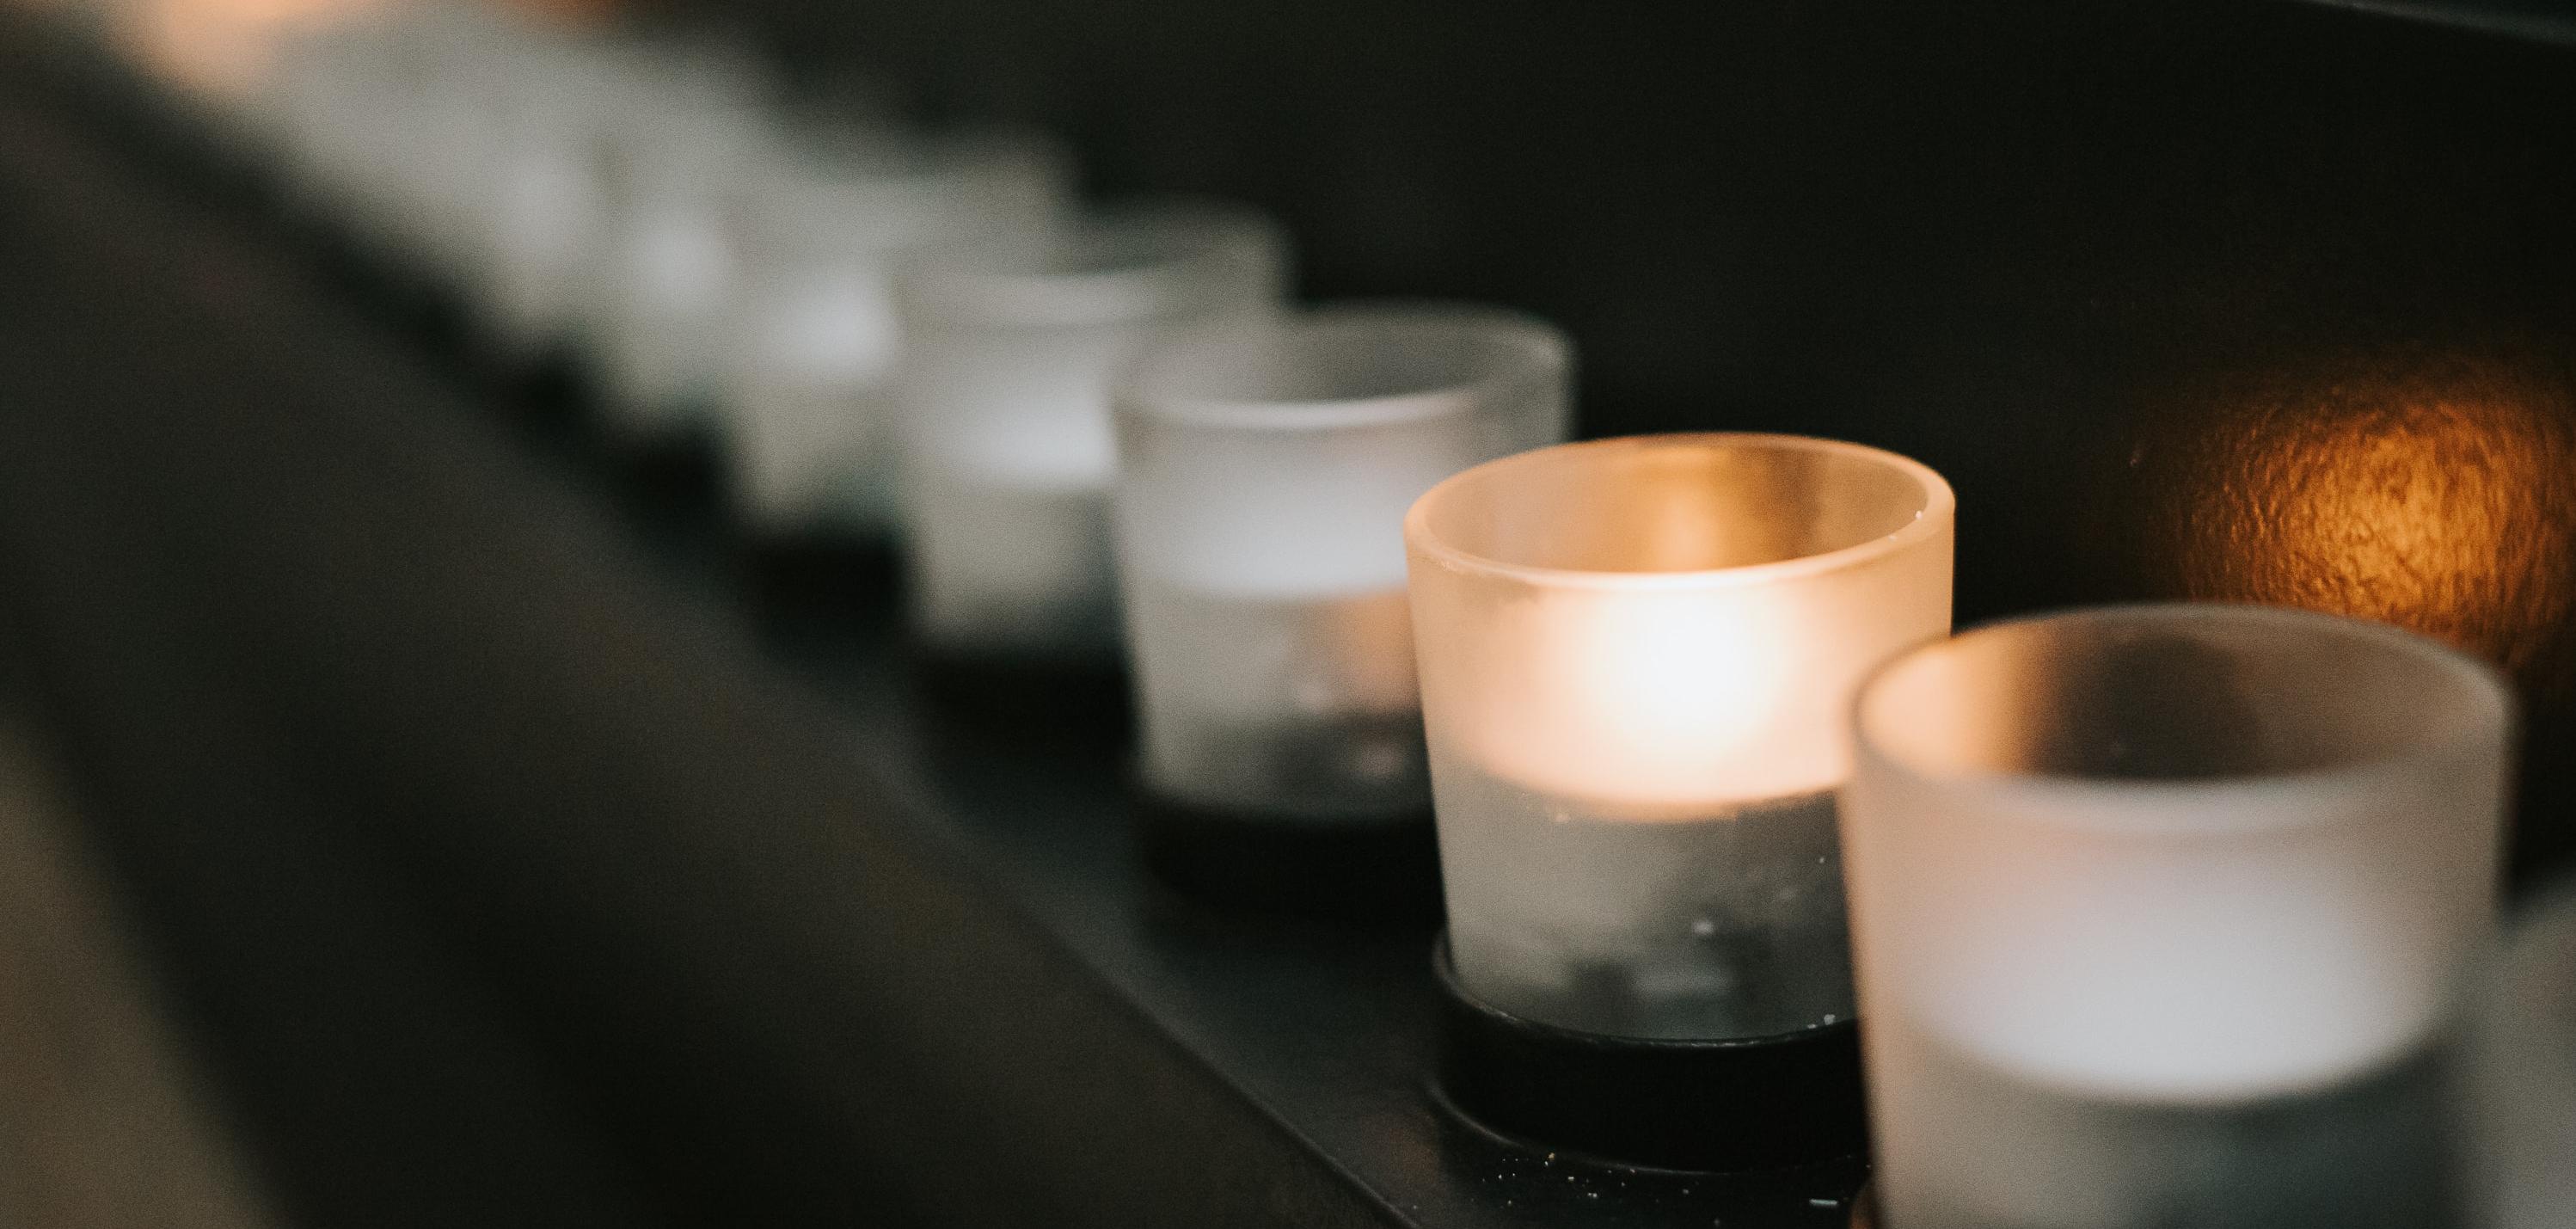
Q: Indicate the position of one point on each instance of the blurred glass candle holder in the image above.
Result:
(384, 125)
(544, 215)
(807, 403)
(690, 132)
(2158, 913)
(1007, 454)
(2520, 1084)
(1264, 473)
(1635, 656)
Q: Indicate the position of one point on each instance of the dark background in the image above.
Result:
(2266, 301)
(499, 879)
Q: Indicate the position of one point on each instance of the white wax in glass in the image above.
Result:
(1005, 487)
(1247, 518)
(1271, 582)
(808, 410)
(1656, 780)
(1651, 706)
(1018, 410)
(2218, 970)
(2215, 936)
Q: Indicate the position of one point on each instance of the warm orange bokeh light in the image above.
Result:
(2437, 495)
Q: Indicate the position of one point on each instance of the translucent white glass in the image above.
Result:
(542, 216)
(2521, 1085)
(387, 124)
(1009, 343)
(2159, 913)
(1264, 474)
(458, 145)
(1636, 655)
(320, 107)
(808, 403)
(691, 132)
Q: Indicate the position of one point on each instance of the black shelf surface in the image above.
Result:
(1326, 1027)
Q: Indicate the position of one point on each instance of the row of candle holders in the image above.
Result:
(2161, 915)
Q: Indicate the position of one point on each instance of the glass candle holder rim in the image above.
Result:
(954, 279)
(1939, 507)
(2173, 806)
(1530, 353)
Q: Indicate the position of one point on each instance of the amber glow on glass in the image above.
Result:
(1635, 658)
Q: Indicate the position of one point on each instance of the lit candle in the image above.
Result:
(2169, 901)
(1009, 344)
(1635, 655)
(1264, 474)
(806, 407)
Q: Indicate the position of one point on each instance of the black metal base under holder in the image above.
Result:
(682, 469)
(1379, 870)
(1041, 702)
(1761, 1103)
(820, 574)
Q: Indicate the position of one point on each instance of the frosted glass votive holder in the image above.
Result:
(1007, 453)
(688, 137)
(1264, 474)
(1635, 656)
(385, 125)
(807, 404)
(2169, 902)
(543, 221)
